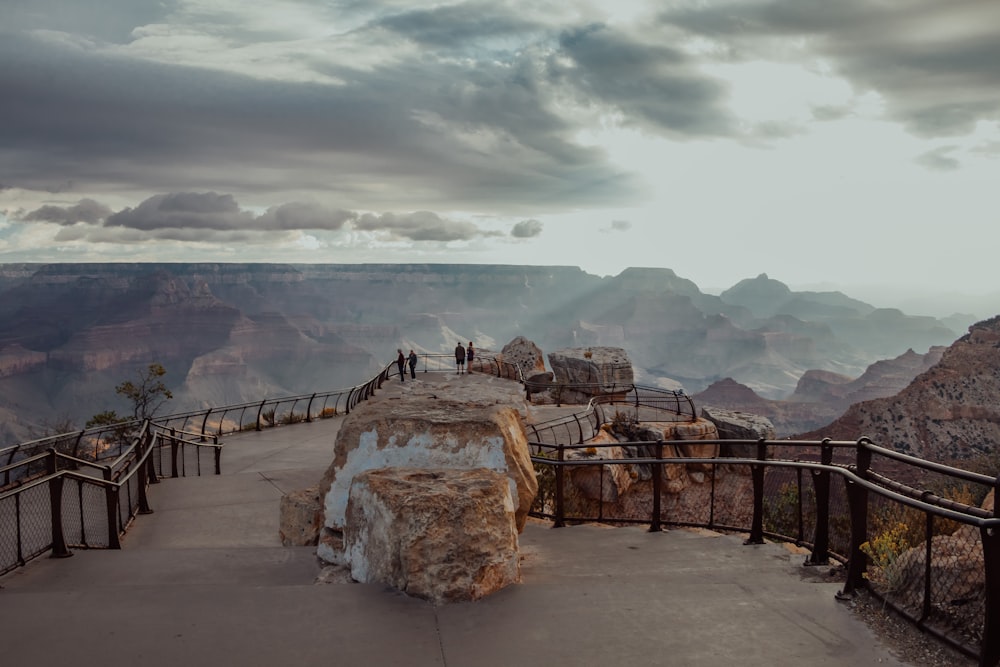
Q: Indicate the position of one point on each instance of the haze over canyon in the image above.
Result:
(229, 333)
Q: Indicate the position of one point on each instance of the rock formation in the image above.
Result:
(528, 357)
(427, 491)
(439, 534)
(594, 371)
(738, 426)
(820, 396)
(949, 412)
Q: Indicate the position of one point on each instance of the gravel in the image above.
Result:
(904, 640)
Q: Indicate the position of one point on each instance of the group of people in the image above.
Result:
(401, 362)
(463, 355)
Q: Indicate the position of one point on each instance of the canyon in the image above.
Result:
(231, 333)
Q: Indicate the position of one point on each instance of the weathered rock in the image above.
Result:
(733, 425)
(604, 369)
(300, 517)
(424, 431)
(528, 357)
(605, 482)
(440, 534)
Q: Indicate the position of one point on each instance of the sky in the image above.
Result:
(850, 145)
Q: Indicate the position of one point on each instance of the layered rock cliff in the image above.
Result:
(951, 411)
(232, 332)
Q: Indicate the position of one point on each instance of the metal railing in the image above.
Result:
(83, 489)
(634, 401)
(908, 530)
(897, 522)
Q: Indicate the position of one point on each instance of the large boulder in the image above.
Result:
(428, 431)
(733, 425)
(439, 534)
(592, 371)
(528, 357)
(300, 517)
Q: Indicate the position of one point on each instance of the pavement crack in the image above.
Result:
(437, 630)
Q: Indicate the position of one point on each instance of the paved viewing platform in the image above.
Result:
(204, 580)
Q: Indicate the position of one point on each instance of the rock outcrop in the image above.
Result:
(949, 412)
(820, 396)
(300, 518)
(739, 426)
(593, 371)
(430, 427)
(439, 534)
(528, 357)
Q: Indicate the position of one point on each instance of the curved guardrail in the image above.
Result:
(637, 402)
(84, 488)
(897, 525)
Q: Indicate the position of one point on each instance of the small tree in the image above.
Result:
(149, 394)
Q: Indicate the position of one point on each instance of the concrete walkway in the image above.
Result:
(204, 581)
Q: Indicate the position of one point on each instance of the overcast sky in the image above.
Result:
(847, 143)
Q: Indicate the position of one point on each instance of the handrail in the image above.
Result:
(864, 491)
(127, 468)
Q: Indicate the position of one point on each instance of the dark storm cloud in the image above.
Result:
(86, 210)
(304, 215)
(221, 212)
(418, 226)
(106, 119)
(526, 229)
(934, 85)
(197, 210)
(655, 86)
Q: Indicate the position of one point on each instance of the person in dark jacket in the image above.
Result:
(469, 354)
(460, 357)
(413, 364)
(400, 363)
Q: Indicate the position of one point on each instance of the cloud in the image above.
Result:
(197, 210)
(417, 226)
(621, 225)
(473, 132)
(654, 86)
(526, 229)
(86, 210)
(939, 159)
(934, 85)
(300, 215)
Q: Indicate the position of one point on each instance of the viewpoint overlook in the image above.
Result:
(625, 465)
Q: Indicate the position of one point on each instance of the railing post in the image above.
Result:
(654, 526)
(309, 407)
(174, 446)
(989, 652)
(560, 457)
(260, 410)
(204, 423)
(757, 475)
(59, 549)
(821, 485)
(111, 493)
(146, 448)
(857, 502)
(218, 456)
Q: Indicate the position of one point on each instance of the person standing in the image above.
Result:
(400, 363)
(413, 364)
(469, 354)
(460, 357)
